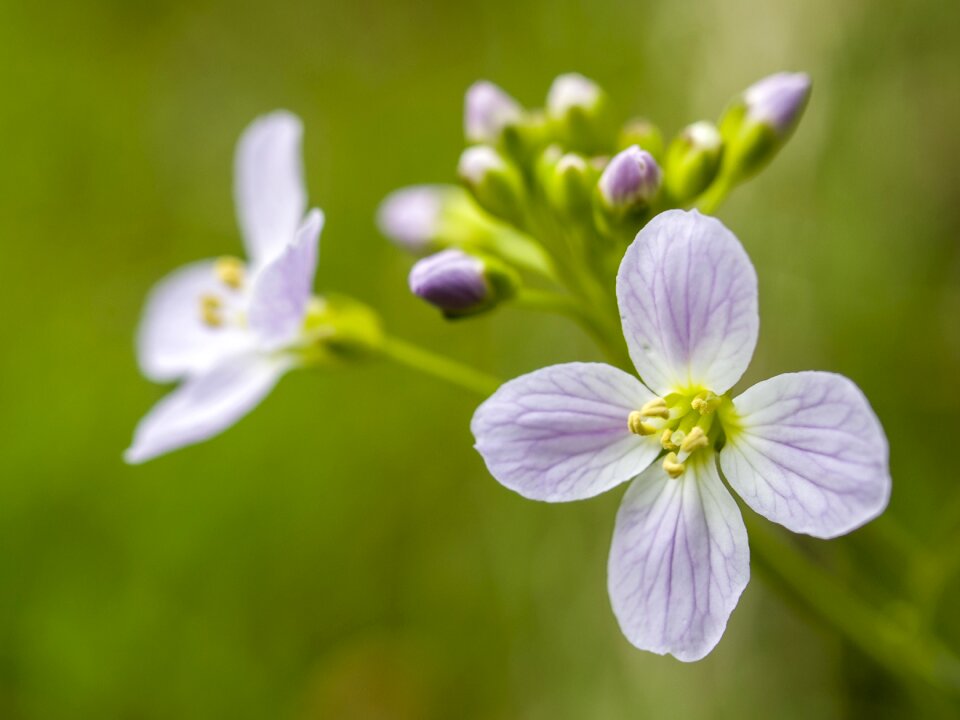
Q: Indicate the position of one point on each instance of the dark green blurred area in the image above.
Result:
(342, 552)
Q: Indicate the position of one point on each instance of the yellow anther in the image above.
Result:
(694, 440)
(210, 306)
(705, 402)
(230, 271)
(655, 408)
(666, 440)
(637, 425)
(673, 468)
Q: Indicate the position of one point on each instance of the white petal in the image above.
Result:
(561, 433)
(205, 405)
(173, 341)
(268, 187)
(811, 454)
(282, 289)
(688, 301)
(679, 560)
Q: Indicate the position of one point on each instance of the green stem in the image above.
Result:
(905, 652)
(439, 366)
(567, 305)
(714, 196)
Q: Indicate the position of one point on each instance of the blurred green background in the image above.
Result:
(342, 553)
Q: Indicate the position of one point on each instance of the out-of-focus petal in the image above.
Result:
(205, 405)
(810, 454)
(268, 187)
(688, 300)
(560, 433)
(173, 340)
(679, 560)
(282, 289)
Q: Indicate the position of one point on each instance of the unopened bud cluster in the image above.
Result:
(568, 185)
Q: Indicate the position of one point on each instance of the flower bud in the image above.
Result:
(579, 111)
(778, 100)
(643, 133)
(693, 159)
(567, 180)
(756, 125)
(494, 181)
(412, 216)
(630, 181)
(460, 284)
(487, 111)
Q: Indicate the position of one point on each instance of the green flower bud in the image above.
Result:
(644, 134)
(494, 181)
(567, 180)
(580, 114)
(757, 124)
(693, 159)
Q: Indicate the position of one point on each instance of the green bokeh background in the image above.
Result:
(342, 553)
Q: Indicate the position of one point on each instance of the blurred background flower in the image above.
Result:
(310, 552)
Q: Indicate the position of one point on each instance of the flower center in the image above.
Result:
(684, 423)
(231, 272)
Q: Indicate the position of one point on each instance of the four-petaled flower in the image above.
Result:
(228, 329)
(802, 449)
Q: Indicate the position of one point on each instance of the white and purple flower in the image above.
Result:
(802, 449)
(228, 329)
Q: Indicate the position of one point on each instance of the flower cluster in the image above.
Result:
(560, 209)
(557, 193)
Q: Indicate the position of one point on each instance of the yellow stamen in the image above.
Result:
(655, 408)
(673, 468)
(637, 425)
(210, 306)
(694, 440)
(666, 440)
(230, 271)
(705, 402)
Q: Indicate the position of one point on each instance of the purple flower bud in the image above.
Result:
(411, 216)
(632, 177)
(452, 281)
(572, 91)
(778, 99)
(487, 111)
(476, 163)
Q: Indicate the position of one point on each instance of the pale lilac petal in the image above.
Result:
(561, 433)
(173, 341)
(688, 300)
(205, 405)
(269, 189)
(810, 454)
(282, 289)
(679, 560)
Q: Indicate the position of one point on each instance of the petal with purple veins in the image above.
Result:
(679, 560)
(560, 433)
(688, 301)
(268, 185)
(809, 453)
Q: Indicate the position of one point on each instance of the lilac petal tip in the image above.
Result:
(778, 99)
(410, 217)
(487, 111)
(631, 176)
